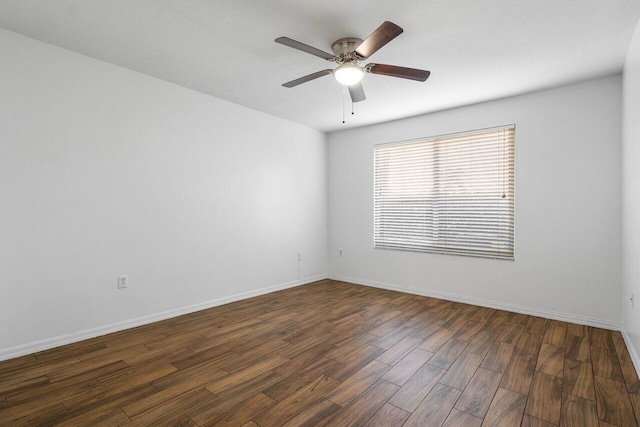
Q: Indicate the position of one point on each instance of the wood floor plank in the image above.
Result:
(618, 344)
(613, 403)
(426, 328)
(33, 370)
(461, 419)
(469, 330)
(510, 333)
(288, 408)
(529, 421)
(311, 416)
(118, 418)
(578, 379)
(389, 340)
(460, 373)
(360, 410)
(25, 414)
(478, 395)
(578, 330)
(350, 388)
(635, 403)
(555, 335)
(232, 398)
(482, 314)
(178, 421)
(577, 348)
(498, 357)
(419, 385)
(630, 376)
(228, 381)
(559, 323)
(345, 349)
(399, 350)
(497, 321)
(220, 352)
(189, 378)
(388, 416)
(404, 369)
(536, 325)
(52, 392)
(88, 407)
(448, 353)
(551, 360)
(578, 412)
(21, 364)
(289, 385)
(436, 340)
(200, 380)
(71, 350)
(64, 388)
(173, 407)
(482, 342)
(519, 374)
(294, 350)
(605, 363)
(518, 318)
(137, 374)
(528, 344)
(601, 338)
(506, 409)
(435, 407)
(304, 360)
(26, 384)
(545, 398)
(356, 362)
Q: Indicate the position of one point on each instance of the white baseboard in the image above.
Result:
(548, 314)
(47, 344)
(24, 349)
(632, 350)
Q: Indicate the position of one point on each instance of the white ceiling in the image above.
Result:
(475, 50)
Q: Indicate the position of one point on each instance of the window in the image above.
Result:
(450, 194)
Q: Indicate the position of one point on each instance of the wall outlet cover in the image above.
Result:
(123, 281)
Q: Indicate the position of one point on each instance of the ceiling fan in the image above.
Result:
(348, 52)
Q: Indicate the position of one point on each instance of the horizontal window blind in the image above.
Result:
(448, 194)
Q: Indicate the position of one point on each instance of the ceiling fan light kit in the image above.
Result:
(348, 74)
(348, 52)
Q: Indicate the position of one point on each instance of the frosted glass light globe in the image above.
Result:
(348, 74)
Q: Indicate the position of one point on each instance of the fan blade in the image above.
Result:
(308, 78)
(395, 71)
(381, 36)
(305, 48)
(357, 92)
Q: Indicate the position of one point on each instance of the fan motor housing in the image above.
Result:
(345, 46)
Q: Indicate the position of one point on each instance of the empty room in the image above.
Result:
(328, 213)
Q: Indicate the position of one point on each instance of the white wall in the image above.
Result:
(568, 206)
(631, 197)
(105, 171)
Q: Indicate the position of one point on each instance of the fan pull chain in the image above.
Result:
(352, 113)
(344, 89)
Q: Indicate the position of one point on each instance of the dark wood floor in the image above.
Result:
(332, 354)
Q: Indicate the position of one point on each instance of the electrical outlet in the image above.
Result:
(299, 256)
(340, 252)
(123, 281)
